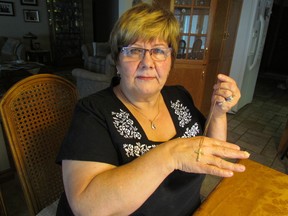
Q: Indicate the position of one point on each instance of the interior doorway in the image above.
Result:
(275, 55)
(105, 14)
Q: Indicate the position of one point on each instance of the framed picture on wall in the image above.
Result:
(31, 15)
(6, 8)
(29, 2)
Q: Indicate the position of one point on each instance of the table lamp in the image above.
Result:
(30, 36)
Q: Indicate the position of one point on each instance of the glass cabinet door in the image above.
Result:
(193, 17)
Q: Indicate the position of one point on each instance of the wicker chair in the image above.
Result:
(36, 113)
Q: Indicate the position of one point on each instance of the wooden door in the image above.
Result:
(223, 36)
(230, 34)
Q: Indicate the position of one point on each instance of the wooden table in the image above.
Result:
(259, 190)
(42, 56)
(12, 72)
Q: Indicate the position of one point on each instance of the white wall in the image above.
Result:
(126, 4)
(15, 26)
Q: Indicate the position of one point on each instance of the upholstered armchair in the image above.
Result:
(99, 68)
(94, 56)
(11, 49)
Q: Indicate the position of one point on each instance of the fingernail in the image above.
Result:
(242, 168)
(247, 154)
(230, 174)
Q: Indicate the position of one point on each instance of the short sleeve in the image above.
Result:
(88, 138)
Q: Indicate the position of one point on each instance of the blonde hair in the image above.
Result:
(146, 22)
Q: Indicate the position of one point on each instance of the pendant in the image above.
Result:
(153, 126)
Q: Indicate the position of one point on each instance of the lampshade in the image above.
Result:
(30, 36)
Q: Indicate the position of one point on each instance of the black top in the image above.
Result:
(104, 130)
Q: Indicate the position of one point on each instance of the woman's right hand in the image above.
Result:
(208, 157)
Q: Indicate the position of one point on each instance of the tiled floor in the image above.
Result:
(257, 127)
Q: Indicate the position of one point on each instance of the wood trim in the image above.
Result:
(283, 145)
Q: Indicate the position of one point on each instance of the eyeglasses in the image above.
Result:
(137, 54)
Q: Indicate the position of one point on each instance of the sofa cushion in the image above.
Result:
(2, 41)
(7, 58)
(96, 64)
(87, 50)
(10, 46)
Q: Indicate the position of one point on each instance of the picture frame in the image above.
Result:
(31, 15)
(6, 8)
(29, 2)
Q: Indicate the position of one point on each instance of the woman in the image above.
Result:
(136, 148)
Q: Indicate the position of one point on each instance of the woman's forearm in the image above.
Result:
(123, 188)
(218, 128)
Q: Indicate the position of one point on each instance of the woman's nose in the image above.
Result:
(147, 59)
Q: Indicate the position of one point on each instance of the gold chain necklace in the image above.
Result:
(152, 122)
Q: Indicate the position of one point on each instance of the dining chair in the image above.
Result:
(181, 49)
(196, 49)
(36, 113)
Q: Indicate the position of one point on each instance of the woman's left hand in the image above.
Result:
(226, 94)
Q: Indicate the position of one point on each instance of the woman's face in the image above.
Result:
(145, 76)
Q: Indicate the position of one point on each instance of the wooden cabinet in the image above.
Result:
(66, 30)
(223, 36)
(41, 56)
(191, 76)
(196, 19)
(208, 32)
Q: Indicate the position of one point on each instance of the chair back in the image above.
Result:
(181, 49)
(196, 49)
(36, 113)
